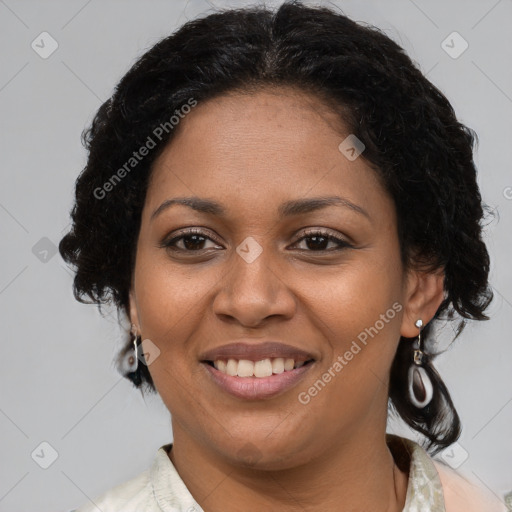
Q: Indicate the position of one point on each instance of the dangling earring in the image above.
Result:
(421, 390)
(134, 360)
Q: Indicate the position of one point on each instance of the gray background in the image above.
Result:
(57, 380)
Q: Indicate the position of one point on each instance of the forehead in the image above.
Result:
(260, 146)
(245, 129)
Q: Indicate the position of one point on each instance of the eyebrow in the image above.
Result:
(287, 209)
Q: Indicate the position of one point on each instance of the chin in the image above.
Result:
(260, 453)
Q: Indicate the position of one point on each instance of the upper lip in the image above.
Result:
(252, 351)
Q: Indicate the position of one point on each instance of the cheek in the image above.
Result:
(359, 313)
(353, 298)
(170, 308)
(170, 297)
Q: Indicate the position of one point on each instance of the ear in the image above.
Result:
(423, 296)
(134, 316)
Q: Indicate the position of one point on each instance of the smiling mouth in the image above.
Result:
(257, 369)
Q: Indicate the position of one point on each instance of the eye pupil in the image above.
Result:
(315, 241)
(198, 239)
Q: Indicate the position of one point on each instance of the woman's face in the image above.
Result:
(248, 276)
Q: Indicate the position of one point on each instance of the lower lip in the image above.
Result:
(257, 388)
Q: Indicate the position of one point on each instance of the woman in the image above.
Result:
(284, 206)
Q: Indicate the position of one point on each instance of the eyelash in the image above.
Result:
(169, 244)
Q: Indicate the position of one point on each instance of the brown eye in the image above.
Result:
(191, 241)
(317, 241)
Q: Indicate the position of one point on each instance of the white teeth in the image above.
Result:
(278, 365)
(263, 368)
(231, 367)
(220, 365)
(245, 368)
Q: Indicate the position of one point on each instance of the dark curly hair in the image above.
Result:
(413, 140)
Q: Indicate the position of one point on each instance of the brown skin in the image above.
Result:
(251, 153)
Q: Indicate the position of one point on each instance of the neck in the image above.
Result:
(358, 474)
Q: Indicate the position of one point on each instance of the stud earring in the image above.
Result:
(421, 390)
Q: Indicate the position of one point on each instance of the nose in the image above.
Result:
(254, 291)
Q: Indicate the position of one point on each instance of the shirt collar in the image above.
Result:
(424, 489)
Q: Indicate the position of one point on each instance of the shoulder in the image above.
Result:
(464, 495)
(126, 497)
